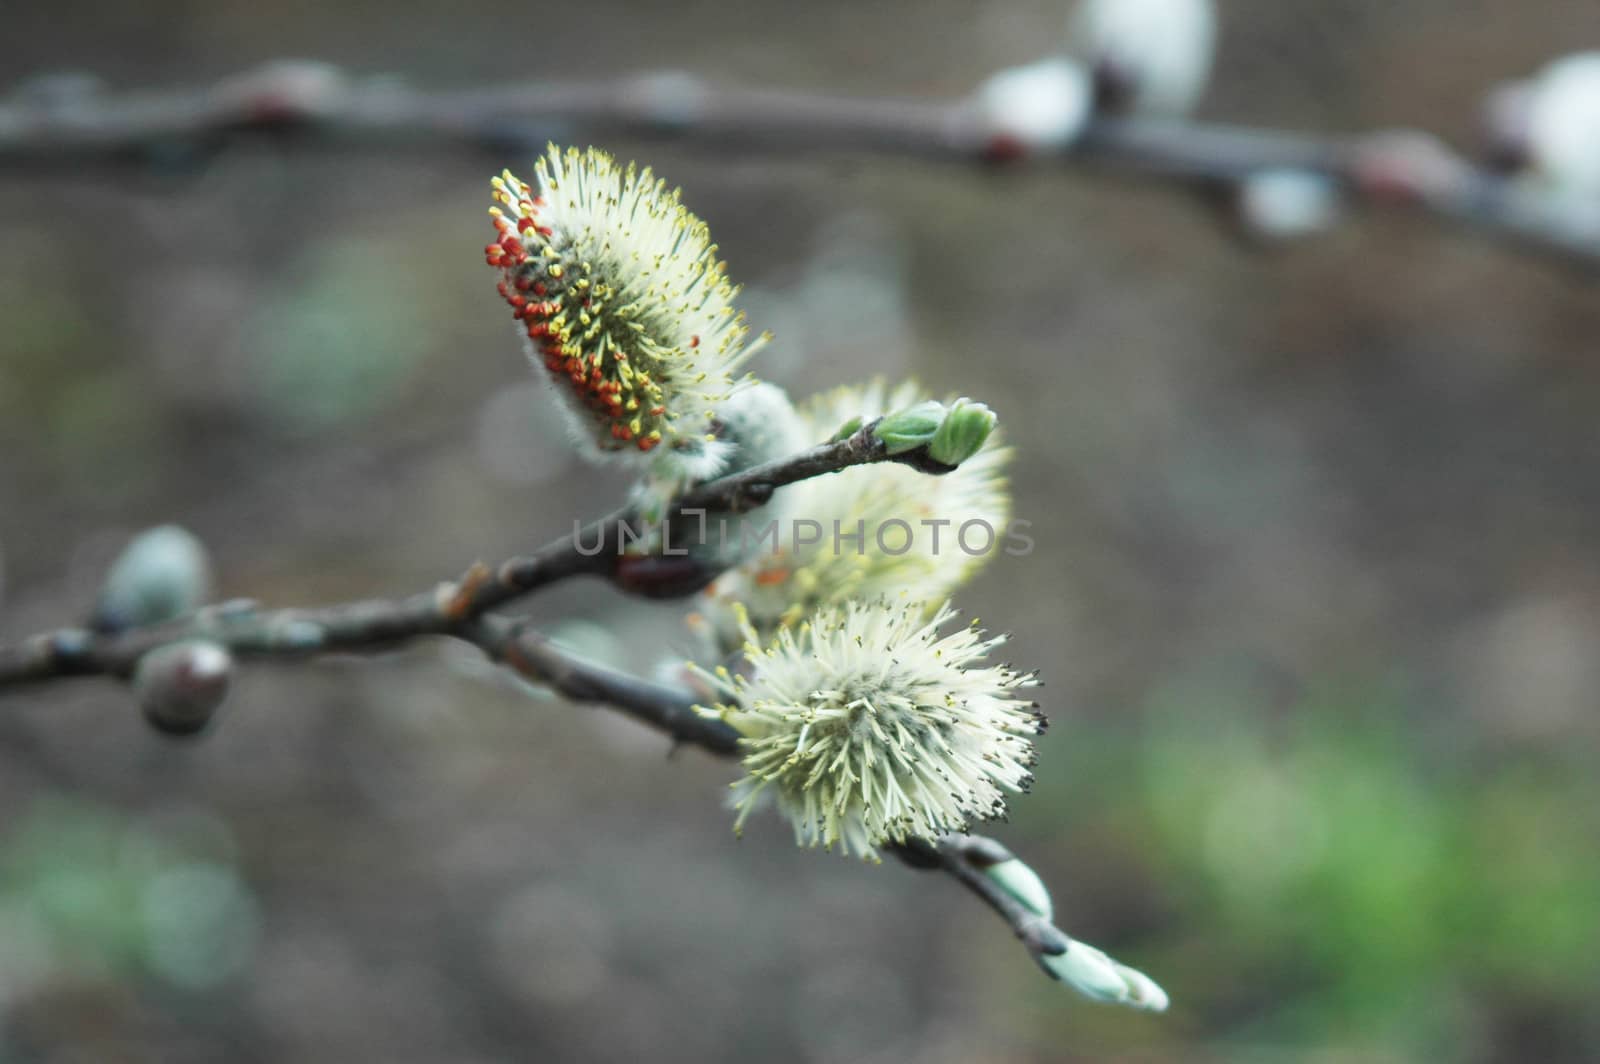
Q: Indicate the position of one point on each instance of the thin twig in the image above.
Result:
(667, 709)
(381, 624)
(964, 858)
(66, 121)
(672, 710)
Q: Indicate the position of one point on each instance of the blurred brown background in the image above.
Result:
(1315, 593)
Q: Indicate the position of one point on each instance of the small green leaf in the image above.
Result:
(915, 426)
(963, 432)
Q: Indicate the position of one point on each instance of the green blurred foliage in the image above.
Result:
(88, 895)
(1327, 877)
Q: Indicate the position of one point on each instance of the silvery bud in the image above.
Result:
(1151, 57)
(162, 574)
(1029, 109)
(1563, 123)
(1285, 204)
(1096, 976)
(180, 686)
(1024, 884)
(760, 424)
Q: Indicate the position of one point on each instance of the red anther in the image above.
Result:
(524, 224)
(511, 245)
(647, 443)
(657, 411)
(539, 289)
(522, 284)
(545, 231)
(694, 341)
(516, 301)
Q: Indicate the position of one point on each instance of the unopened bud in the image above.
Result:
(1143, 991)
(1286, 204)
(758, 423)
(1096, 976)
(845, 431)
(162, 574)
(1563, 114)
(1151, 57)
(915, 426)
(964, 429)
(1034, 108)
(180, 686)
(1024, 884)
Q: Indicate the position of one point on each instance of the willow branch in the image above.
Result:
(667, 709)
(964, 858)
(672, 710)
(67, 121)
(451, 608)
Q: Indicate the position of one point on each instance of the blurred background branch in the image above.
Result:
(63, 120)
